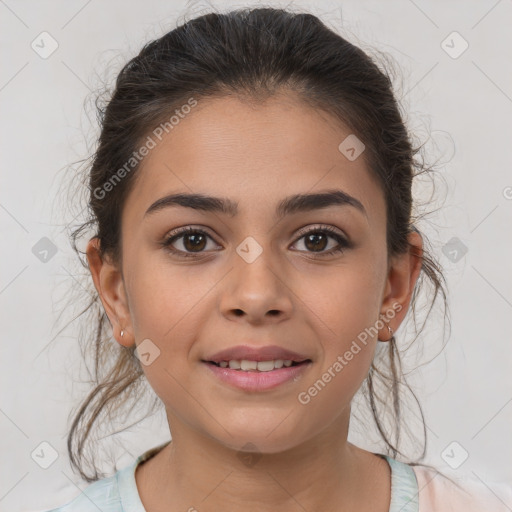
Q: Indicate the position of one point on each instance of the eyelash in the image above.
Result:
(176, 235)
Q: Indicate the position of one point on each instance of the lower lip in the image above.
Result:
(258, 381)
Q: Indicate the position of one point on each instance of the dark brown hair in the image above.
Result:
(253, 53)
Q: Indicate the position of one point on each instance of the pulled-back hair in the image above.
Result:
(253, 53)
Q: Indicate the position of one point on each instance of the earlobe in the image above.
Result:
(390, 330)
(400, 283)
(124, 339)
(109, 284)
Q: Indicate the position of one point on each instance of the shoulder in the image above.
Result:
(442, 494)
(100, 495)
(117, 493)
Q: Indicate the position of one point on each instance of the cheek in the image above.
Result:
(166, 307)
(343, 302)
(170, 305)
(343, 309)
(343, 322)
(164, 297)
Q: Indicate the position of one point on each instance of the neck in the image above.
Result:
(323, 473)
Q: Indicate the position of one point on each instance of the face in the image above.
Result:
(308, 280)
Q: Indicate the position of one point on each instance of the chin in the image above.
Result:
(260, 439)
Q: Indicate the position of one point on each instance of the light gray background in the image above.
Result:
(465, 105)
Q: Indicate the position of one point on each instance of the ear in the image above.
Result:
(109, 283)
(403, 273)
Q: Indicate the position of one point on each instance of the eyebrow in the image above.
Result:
(288, 206)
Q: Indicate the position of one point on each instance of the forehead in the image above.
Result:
(254, 154)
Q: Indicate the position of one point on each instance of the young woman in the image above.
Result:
(255, 240)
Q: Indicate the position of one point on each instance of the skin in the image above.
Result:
(192, 307)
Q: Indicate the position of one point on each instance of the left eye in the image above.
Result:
(317, 239)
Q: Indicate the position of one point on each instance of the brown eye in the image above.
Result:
(192, 240)
(317, 241)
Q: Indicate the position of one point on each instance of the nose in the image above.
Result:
(256, 293)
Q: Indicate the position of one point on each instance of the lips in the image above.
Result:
(255, 381)
(248, 353)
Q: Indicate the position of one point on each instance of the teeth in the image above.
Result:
(248, 365)
(265, 366)
(262, 366)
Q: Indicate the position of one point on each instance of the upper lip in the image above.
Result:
(266, 353)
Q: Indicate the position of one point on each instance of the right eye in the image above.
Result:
(192, 239)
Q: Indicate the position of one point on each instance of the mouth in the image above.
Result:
(245, 365)
(257, 376)
(256, 368)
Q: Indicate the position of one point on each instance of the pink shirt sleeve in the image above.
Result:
(438, 494)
